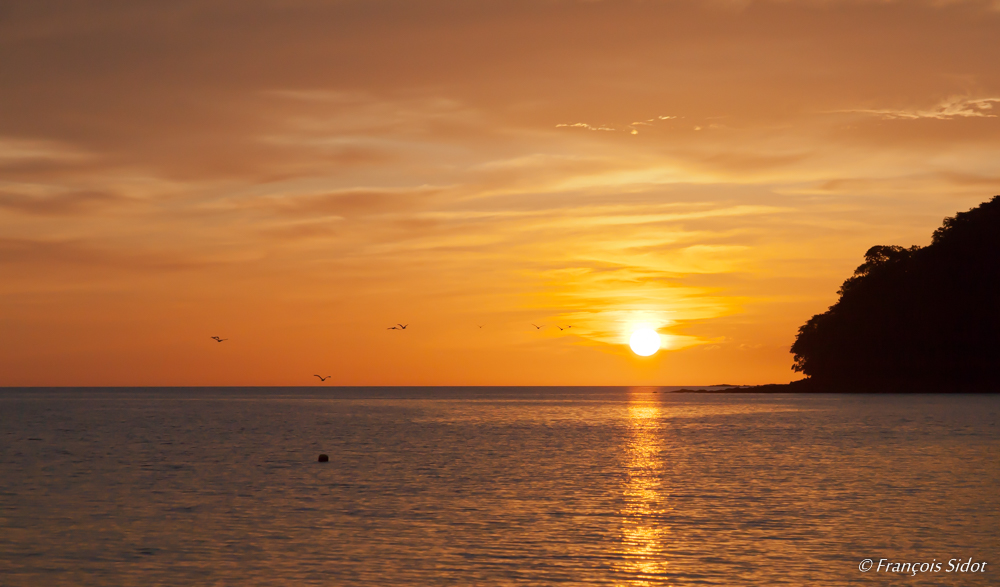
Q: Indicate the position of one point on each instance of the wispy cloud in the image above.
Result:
(606, 301)
(951, 108)
(629, 128)
(586, 126)
(72, 203)
(338, 203)
(82, 256)
(18, 150)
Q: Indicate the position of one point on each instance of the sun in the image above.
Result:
(644, 342)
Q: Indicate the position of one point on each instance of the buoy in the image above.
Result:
(324, 459)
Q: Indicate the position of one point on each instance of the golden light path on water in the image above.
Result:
(643, 536)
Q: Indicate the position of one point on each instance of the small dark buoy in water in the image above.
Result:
(324, 459)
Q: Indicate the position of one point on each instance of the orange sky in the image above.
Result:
(298, 175)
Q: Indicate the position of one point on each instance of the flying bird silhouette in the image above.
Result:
(402, 326)
(537, 327)
(392, 328)
(561, 328)
(480, 325)
(321, 378)
(217, 339)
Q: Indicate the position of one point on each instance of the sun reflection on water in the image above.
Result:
(644, 534)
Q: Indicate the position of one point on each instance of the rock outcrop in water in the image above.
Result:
(913, 319)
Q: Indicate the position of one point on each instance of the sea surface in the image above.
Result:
(494, 486)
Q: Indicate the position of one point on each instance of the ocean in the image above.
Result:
(495, 486)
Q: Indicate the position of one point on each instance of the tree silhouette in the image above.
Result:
(918, 318)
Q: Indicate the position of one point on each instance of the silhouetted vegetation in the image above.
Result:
(914, 319)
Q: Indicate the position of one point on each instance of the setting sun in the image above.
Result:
(644, 342)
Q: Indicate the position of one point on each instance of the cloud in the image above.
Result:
(586, 126)
(14, 150)
(66, 204)
(340, 203)
(946, 110)
(303, 230)
(78, 254)
(608, 217)
(629, 128)
(606, 301)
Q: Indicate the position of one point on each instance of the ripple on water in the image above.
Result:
(490, 486)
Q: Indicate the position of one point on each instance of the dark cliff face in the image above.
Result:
(918, 318)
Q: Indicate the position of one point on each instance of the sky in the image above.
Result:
(297, 176)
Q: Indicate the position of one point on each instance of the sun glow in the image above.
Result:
(644, 342)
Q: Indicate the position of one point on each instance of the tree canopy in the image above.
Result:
(917, 318)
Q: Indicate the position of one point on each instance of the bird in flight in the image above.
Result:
(480, 325)
(321, 378)
(561, 328)
(217, 339)
(537, 327)
(392, 328)
(402, 326)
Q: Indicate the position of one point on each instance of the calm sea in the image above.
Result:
(494, 486)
